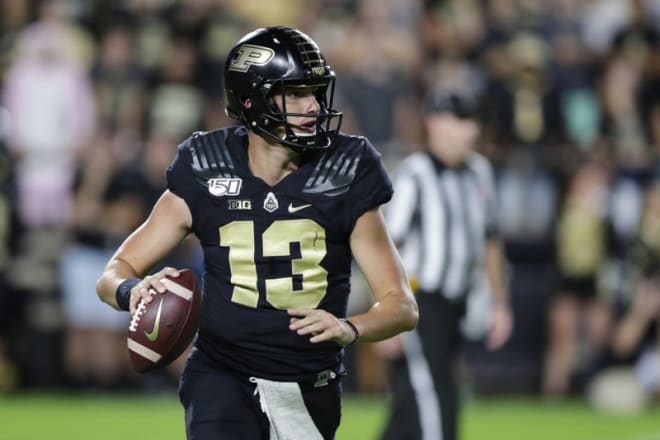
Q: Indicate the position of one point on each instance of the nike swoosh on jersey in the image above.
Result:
(293, 209)
(153, 335)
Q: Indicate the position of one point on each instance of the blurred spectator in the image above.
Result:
(49, 98)
(119, 83)
(108, 206)
(575, 307)
(52, 108)
(623, 126)
(574, 68)
(378, 56)
(523, 104)
(452, 33)
(177, 106)
(524, 138)
(631, 372)
(636, 335)
(152, 31)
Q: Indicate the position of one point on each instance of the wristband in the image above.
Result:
(355, 331)
(123, 293)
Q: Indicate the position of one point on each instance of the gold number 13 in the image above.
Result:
(239, 237)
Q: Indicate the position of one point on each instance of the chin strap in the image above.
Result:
(286, 141)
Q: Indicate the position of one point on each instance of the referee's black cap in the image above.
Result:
(444, 100)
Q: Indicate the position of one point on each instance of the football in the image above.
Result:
(160, 331)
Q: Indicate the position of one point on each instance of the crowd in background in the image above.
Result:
(97, 95)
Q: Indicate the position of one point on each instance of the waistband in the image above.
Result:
(200, 359)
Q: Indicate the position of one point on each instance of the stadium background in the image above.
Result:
(97, 94)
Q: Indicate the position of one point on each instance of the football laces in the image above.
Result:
(141, 309)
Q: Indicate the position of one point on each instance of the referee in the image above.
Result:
(443, 220)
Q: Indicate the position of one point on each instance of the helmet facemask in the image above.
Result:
(268, 119)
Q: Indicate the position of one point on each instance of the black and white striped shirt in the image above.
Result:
(440, 219)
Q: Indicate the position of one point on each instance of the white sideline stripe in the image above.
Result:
(421, 380)
(177, 289)
(143, 351)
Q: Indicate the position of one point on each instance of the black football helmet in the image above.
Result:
(264, 63)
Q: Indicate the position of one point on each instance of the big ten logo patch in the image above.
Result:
(224, 186)
(239, 205)
(250, 54)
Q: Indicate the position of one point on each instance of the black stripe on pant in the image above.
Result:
(421, 409)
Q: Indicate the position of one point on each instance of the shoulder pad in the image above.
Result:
(209, 156)
(336, 168)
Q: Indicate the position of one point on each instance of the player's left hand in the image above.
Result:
(321, 325)
(501, 325)
(390, 349)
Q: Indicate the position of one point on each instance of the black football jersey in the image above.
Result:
(271, 248)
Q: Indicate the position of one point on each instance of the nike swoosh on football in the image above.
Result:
(154, 332)
(292, 209)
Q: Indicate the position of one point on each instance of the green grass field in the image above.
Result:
(96, 417)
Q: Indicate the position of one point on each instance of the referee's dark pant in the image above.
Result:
(423, 382)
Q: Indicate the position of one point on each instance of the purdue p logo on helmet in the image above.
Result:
(248, 55)
(266, 62)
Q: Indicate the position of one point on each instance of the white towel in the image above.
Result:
(283, 404)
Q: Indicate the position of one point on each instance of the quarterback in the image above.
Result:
(282, 204)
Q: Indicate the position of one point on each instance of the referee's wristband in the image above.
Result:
(356, 332)
(123, 293)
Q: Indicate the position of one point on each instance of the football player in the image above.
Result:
(281, 205)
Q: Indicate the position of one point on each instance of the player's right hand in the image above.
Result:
(148, 287)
